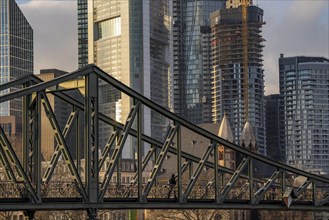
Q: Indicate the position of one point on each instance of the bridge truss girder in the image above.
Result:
(229, 189)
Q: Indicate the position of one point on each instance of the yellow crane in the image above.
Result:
(244, 35)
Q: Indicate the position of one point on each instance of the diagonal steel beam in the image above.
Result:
(17, 82)
(58, 150)
(198, 171)
(185, 165)
(118, 149)
(323, 201)
(5, 163)
(303, 187)
(233, 179)
(164, 150)
(107, 148)
(8, 151)
(144, 164)
(62, 143)
(261, 192)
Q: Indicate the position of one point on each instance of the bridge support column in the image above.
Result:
(29, 215)
(92, 214)
(91, 138)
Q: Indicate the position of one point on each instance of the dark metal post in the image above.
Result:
(37, 146)
(216, 173)
(251, 180)
(190, 170)
(179, 162)
(77, 140)
(283, 180)
(29, 214)
(155, 159)
(119, 165)
(91, 138)
(25, 128)
(314, 193)
(92, 214)
(139, 153)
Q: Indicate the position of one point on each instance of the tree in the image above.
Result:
(6, 215)
(195, 214)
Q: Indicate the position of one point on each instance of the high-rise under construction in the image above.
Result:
(238, 75)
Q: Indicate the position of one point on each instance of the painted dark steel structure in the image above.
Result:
(30, 187)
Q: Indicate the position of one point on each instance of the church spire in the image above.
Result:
(248, 139)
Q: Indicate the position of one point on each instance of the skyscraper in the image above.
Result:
(82, 32)
(16, 51)
(239, 91)
(273, 147)
(304, 112)
(191, 65)
(130, 41)
(62, 112)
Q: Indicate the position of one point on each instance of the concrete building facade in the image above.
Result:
(304, 112)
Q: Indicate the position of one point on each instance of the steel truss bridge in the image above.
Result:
(29, 187)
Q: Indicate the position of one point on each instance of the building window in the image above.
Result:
(109, 28)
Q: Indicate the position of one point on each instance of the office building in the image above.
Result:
(272, 121)
(238, 89)
(82, 33)
(16, 52)
(130, 41)
(191, 64)
(62, 111)
(304, 112)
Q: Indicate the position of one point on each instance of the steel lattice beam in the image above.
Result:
(118, 149)
(62, 144)
(34, 92)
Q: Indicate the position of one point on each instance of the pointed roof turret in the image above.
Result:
(225, 130)
(248, 139)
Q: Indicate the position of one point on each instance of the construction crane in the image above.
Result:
(244, 34)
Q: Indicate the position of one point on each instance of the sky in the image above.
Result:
(293, 27)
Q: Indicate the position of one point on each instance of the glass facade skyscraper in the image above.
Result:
(82, 33)
(130, 40)
(191, 64)
(273, 147)
(304, 112)
(228, 72)
(16, 51)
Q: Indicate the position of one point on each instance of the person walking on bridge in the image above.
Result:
(172, 184)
